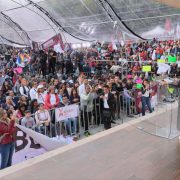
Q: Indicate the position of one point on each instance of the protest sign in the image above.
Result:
(67, 112)
(146, 68)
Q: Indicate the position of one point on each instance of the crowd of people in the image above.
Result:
(91, 77)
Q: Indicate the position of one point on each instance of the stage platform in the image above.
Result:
(121, 153)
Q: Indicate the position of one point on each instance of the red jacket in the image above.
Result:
(48, 104)
(9, 129)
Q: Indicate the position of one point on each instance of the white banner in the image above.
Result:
(163, 68)
(29, 144)
(67, 112)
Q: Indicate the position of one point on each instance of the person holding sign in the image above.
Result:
(146, 97)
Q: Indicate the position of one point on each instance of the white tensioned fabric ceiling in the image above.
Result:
(23, 21)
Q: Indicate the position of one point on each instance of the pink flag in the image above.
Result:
(18, 70)
(139, 81)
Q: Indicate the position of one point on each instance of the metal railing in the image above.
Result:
(91, 119)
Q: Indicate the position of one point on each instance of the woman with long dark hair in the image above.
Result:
(74, 98)
(33, 106)
(6, 87)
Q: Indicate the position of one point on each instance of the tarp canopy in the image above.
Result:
(23, 21)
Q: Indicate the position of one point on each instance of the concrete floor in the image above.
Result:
(121, 154)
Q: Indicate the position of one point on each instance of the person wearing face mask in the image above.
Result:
(7, 145)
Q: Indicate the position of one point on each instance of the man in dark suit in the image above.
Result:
(108, 105)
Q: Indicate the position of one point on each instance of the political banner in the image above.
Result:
(29, 144)
(55, 43)
(67, 112)
(163, 68)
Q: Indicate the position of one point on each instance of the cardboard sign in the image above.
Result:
(172, 59)
(139, 86)
(146, 68)
(161, 60)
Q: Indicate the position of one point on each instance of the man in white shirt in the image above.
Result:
(82, 88)
(24, 90)
(33, 91)
(108, 105)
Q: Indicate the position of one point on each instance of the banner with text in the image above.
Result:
(67, 112)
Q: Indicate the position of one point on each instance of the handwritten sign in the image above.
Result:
(67, 112)
(161, 60)
(139, 86)
(172, 59)
(146, 68)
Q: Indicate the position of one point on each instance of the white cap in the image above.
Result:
(40, 86)
(71, 81)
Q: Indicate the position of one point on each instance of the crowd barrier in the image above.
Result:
(74, 120)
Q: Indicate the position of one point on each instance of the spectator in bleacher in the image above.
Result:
(82, 89)
(40, 94)
(7, 145)
(71, 123)
(15, 99)
(74, 98)
(24, 89)
(43, 120)
(51, 99)
(9, 103)
(28, 121)
(33, 106)
(33, 90)
(6, 87)
(20, 113)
